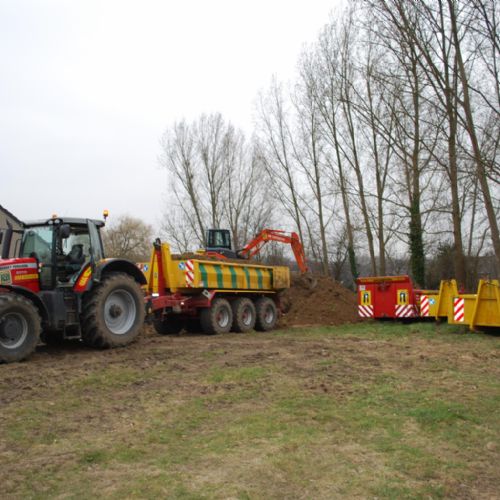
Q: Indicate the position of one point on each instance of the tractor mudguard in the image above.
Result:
(86, 277)
(119, 266)
(27, 293)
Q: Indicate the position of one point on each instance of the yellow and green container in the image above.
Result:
(192, 275)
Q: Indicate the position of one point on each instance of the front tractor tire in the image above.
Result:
(20, 327)
(113, 312)
(218, 318)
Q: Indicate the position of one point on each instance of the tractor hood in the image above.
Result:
(19, 272)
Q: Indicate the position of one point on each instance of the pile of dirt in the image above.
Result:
(328, 303)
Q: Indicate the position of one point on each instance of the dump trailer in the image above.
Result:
(198, 293)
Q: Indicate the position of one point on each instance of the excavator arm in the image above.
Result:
(255, 246)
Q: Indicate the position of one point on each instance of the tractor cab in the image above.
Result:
(50, 253)
(62, 247)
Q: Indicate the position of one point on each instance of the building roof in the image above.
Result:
(11, 215)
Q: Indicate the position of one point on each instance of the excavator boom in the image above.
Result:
(255, 246)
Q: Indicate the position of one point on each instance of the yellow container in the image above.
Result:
(486, 309)
(194, 275)
(429, 297)
(462, 309)
(444, 304)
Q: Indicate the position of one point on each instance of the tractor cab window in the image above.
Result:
(73, 252)
(76, 248)
(95, 242)
(37, 243)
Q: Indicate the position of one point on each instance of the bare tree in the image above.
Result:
(328, 102)
(216, 181)
(276, 151)
(128, 238)
(309, 150)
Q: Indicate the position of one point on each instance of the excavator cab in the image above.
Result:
(219, 242)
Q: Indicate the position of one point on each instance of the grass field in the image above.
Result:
(378, 410)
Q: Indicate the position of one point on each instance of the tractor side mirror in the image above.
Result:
(64, 231)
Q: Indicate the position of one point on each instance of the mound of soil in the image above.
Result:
(328, 303)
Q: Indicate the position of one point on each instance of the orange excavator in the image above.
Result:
(219, 245)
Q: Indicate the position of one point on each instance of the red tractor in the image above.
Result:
(58, 285)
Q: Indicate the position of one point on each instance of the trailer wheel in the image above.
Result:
(171, 324)
(244, 315)
(20, 327)
(113, 312)
(218, 318)
(267, 314)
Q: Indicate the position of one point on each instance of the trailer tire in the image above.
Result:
(267, 314)
(171, 324)
(113, 312)
(20, 327)
(244, 315)
(218, 318)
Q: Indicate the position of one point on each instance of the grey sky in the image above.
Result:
(87, 87)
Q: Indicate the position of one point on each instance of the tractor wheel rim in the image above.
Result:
(13, 330)
(223, 317)
(247, 316)
(120, 312)
(269, 315)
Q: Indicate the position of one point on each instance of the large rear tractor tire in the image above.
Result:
(218, 318)
(267, 314)
(20, 327)
(244, 315)
(113, 312)
(171, 324)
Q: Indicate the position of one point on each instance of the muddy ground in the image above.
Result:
(371, 410)
(362, 411)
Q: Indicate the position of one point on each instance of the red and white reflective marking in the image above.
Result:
(405, 311)
(189, 273)
(424, 305)
(458, 309)
(365, 311)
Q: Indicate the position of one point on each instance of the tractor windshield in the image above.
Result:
(37, 242)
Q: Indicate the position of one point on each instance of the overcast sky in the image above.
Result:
(87, 88)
